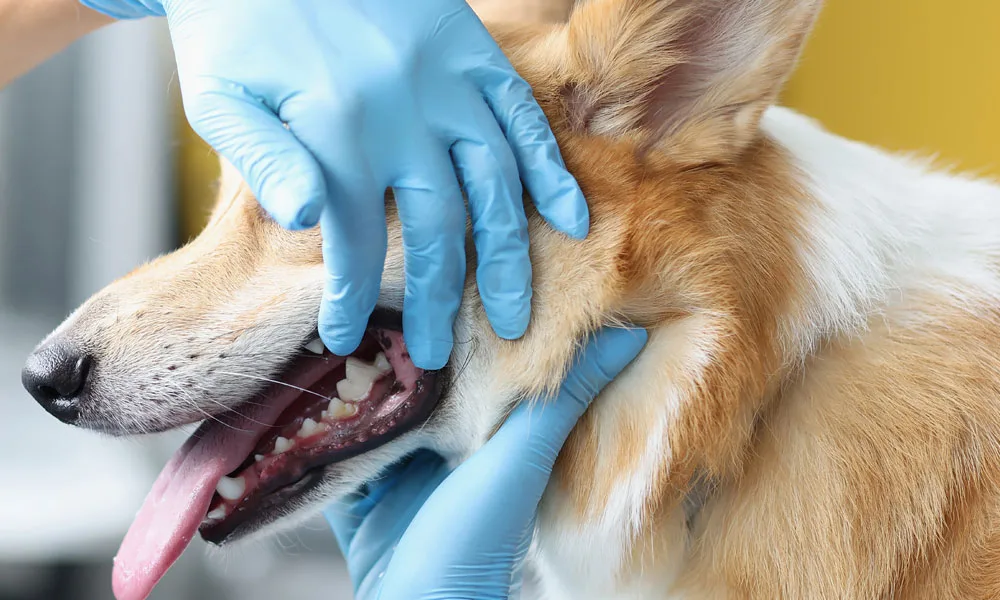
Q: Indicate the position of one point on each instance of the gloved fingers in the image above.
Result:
(282, 173)
(353, 221)
(500, 230)
(605, 355)
(553, 189)
(354, 248)
(367, 529)
(126, 9)
(432, 217)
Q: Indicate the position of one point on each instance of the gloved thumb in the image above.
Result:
(538, 428)
(280, 171)
(605, 355)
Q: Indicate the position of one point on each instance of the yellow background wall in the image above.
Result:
(909, 75)
(920, 75)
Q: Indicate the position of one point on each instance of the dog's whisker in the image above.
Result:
(226, 409)
(277, 382)
(197, 407)
(241, 415)
(208, 394)
(194, 404)
(257, 354)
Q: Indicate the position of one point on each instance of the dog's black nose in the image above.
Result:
(56, 375)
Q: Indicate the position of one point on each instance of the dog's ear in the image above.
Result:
(690, 77)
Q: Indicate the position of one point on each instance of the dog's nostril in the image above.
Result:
(56, 375)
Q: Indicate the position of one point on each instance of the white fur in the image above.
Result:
(882, 225)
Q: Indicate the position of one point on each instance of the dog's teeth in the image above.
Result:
(331, 409)
(340, 410)
(258, 457)
(231, 489)
(353, 391)
(316, 346)
(308, 428)
(360, 377)
(382, 363)
(216, 515)
(361, 371)
(282, 444)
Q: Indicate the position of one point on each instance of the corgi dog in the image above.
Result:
(816, 413)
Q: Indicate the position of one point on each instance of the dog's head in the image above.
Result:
(656, 104)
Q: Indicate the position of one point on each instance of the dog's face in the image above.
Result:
(655, 104)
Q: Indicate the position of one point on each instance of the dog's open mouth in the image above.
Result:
(239, 468)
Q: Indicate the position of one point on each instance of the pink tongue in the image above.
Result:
(175, 507)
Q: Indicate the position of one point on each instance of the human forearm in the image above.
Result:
(33, 30)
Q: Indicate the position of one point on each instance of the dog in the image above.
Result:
(816, 413)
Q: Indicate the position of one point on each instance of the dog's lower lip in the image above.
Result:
(276, 475)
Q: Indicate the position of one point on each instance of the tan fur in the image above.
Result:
(899, 430)
(865, 467)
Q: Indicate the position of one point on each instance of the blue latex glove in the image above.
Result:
(377, 93)
(426, 532)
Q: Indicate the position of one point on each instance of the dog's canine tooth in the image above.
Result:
(361, 371)
(352, 390)
(308, 428)
(316, 346)
(282, 444)
(382, 363)
(231, 488)
(360, 378)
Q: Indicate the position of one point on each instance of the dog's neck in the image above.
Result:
(857, 233)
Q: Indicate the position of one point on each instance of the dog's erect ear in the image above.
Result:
(691, 77)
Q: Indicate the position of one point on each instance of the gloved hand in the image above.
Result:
(377, 93)
(424, 531)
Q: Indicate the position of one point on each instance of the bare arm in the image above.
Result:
(33, 30)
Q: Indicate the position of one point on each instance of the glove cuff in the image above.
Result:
(127, 9)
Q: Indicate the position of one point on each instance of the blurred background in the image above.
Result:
(98, 173)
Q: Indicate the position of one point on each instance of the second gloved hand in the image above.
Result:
(412, 95)
(425, 531)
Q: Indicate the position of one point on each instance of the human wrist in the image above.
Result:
(31, 32)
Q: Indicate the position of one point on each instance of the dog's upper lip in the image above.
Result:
(381, 318)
